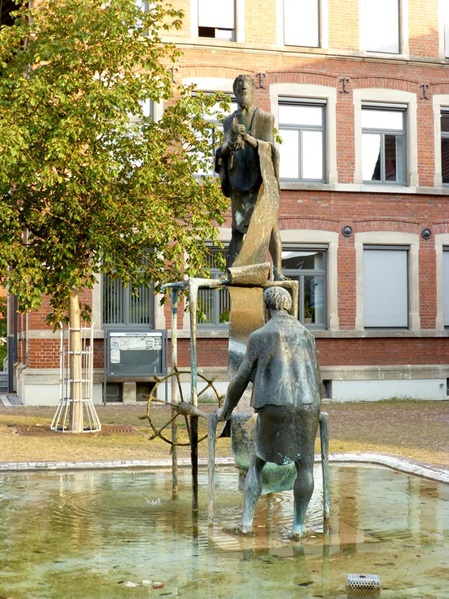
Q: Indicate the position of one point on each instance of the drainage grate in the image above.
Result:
(363, 586)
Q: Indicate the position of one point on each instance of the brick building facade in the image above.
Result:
(362, 106)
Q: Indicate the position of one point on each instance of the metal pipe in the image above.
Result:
(212, 423)
(324, 437)
(175, 288)
(174, 389)
(193, 295)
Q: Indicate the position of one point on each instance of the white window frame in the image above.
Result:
(301, 130)
(216, 297)
(383, 131)
(385, 287)
(441, 246)
(211, 85)
(301, 275)
(366, 96)
(239, 30)
(323, 27)
(440, 103)
(403, 34)
(298, 238)
(224, 235)
(304, 92)
(216, 127)
(445, 136)
(386, 239)
(446, 286)
(443, 21)
(295, 31)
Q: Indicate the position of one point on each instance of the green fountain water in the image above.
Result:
(118, 534)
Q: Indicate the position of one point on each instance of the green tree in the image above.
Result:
(90, 183)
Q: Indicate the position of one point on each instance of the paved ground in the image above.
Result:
(411, 434)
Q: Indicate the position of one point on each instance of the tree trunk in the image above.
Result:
(75, 365)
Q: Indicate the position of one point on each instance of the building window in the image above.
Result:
(308, 267)
(383, 144)
(147, 111)
(214, 138)
(381, 25)
(216, 19)
(385, 286)
(445, 20)
(6, 8)
(301, 126)
(214, 304)
(446, 285)
(302, 23)
(445, 146)
(121, 307)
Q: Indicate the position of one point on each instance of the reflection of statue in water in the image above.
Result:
(244, 162)
(280, 360)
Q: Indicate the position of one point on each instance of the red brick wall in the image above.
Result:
(382, 351)
(325, 210)
(37, 348)
(338, 352)
(43, 353)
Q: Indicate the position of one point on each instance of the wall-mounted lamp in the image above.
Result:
(426, 233)
(347, 231)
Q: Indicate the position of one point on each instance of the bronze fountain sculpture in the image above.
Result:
(273, 448)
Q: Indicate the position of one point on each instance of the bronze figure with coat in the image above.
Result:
(280, 361)
(247, 155)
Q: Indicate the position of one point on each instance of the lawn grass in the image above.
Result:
(415, 430)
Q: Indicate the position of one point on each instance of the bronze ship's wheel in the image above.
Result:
(178, 411)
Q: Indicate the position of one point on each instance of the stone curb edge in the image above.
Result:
(401, 464)
(406, 466)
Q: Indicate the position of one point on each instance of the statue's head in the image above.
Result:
(244, 90)
(277, 298)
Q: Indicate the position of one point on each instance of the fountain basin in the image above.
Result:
(118, 534)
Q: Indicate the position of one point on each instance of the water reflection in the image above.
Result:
(94, 534)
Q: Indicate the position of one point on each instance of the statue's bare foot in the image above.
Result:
(239, 530)
(297, 533)
(278, 276)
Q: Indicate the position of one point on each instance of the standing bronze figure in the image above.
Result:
(248, 165)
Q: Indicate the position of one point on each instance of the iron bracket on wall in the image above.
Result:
(344, 85)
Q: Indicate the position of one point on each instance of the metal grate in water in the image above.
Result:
(363, 586)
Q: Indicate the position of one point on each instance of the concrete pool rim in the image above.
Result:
(395, 463)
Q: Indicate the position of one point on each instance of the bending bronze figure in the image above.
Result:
(281, 362)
